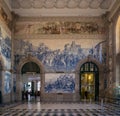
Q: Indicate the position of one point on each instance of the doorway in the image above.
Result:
(89, 81)
(31, 82)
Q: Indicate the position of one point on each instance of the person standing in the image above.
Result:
(26, 95)
(35, 94)
(86, 94)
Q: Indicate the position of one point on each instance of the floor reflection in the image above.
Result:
(34, 108)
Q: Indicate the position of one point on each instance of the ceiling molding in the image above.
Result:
(94, 4)
(8, 3)
(60, 7)
(113, 10)
(60, 12)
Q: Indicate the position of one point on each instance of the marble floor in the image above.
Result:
(58, 109)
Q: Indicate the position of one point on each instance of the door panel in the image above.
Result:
(89, 81)
(88, 86)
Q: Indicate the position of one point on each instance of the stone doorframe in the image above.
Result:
(18, 77)
(101, 75)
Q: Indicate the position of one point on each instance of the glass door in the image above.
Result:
(87, 86)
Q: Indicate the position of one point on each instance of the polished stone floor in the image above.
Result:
(58, 109)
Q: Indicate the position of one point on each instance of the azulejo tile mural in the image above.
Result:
(59, 83)
(59, 60)
(5, 49)
(7, 82)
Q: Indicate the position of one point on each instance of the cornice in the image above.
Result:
(62, 36)
(6, 9)
(60, 18)
(71, 4)
(114, 9)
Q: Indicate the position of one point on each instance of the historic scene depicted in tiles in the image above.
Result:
(59, 60)
(59, 83)
(5, 48)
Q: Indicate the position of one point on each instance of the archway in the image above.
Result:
(31, 81)
(89, 81)
(32, 69)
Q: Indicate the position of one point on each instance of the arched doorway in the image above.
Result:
(89, 81)
(31, 81)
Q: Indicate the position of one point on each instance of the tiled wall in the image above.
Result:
(59, 44)
(5, 49)
(60, 83)
(5, 56)
(62, 58)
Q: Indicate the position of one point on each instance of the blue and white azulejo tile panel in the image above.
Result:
(59, 83)
(7, 82)
(5, 48)
(59, 60)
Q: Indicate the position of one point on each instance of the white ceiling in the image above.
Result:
(60, 7)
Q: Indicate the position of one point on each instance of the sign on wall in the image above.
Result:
(59, 83)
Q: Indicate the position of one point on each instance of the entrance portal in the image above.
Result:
(31, 81)
(87, 86)
(89, 81)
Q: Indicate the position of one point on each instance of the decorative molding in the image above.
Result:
(61, 36)
(83, 4)
(98, 19)
(5, 18)
(93, 4)
(115, 9)
(72, 4)
(8, 3)
(60, 4)
(38, 3)
(49, 3)
(61, 7)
